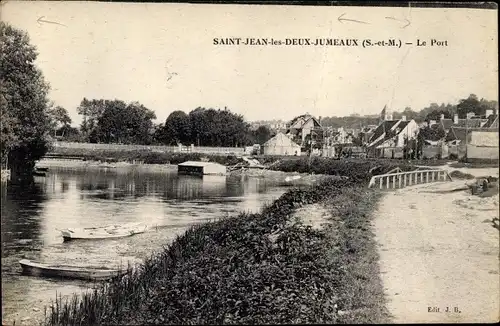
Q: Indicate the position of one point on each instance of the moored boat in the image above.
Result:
(73, 272)
(101, 233)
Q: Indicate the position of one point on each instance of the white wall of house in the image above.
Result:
(484, 138)
(410, 130)
(306, 128)
(483, 145)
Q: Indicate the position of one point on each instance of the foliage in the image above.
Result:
(266, 268)
(431, 112)
(68, 133)
(358, 170)
(261, 135)
(60, 118)
(176, 130)
(474, 105)
(114, 121)
(433, 133)
(24, 104)
(205, 127)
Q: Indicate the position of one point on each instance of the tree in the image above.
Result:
(24, 102)
(91, 111)
(69, 133)
(433, 133)
(436, 115)
(470, 104)
(177, 129)
(120, 123)
(60, 118)
(262, 134)
(210, 127)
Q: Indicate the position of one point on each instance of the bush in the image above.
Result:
(358, 170)
(460, 175)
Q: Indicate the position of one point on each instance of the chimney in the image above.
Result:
(455, 119)
(403, 118)
(488, 113)
(442, 116)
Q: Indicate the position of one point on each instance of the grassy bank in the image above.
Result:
(356, 169)
(254, 268)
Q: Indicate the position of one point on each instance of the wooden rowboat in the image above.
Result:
(108, 232)
(74, 272)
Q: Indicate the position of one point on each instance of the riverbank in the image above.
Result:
(143, 156)
(272, 267)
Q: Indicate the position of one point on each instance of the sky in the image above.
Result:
(163, 56)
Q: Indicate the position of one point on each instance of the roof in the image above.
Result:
(280, 140)
(456, 133)
(196, 163)
(383, 127)
(470, 123)
(389, 125)
(492, 121)
(402, 124)
(446, 123)
(301, 120)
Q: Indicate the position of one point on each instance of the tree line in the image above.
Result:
(471, 104)
(114, 121)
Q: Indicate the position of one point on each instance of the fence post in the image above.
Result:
(380, 182)
(399, 180)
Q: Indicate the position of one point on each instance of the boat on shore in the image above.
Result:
(72, 272)
(102, 233)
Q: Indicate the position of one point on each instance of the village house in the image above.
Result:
(459, 135)
(303, 126)
(281, 145)
(484, 142)
(367, 132)
(472, 121)
(391, 136)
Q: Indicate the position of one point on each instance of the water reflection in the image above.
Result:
(32, 214)
(21, 208)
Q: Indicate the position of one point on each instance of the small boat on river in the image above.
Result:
(101, 233)
(73, 272)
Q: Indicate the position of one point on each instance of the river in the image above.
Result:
(169, 203)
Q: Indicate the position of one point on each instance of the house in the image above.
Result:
(470, 122)
(367, 133)
(483, 144)
(303, 126)
(456, 135)
(339, 136)
(492, 122)
(391, 137)
(281, 145)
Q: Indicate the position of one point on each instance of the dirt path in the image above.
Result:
(439, 251)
